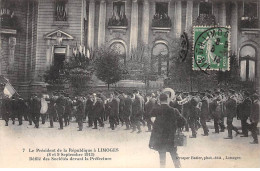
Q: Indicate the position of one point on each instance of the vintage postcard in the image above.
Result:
(129, 83)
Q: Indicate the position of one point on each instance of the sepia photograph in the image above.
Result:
(129, 83)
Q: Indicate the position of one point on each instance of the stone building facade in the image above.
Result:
(36, 34)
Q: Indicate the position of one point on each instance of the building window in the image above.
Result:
(161, 18)
(205, 8)
(8, 19)
(250, 15)
(160, 59)
(247, 63)
(61, 10)
(119, 17)
(206, 16)
(119, 48)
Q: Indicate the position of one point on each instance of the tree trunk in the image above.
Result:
(108, 86)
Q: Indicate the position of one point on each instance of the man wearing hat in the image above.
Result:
(68, 109)
(98, 110)
(35, 109)
(60, 109)
(254, 117)
(149, 105)
(231, 107)
(5, 109)
(204, 113)
(89, 110)
(186, 109)
(245, 113)
(127, 110)
(114, 110)
(121, 106)
(136, 111)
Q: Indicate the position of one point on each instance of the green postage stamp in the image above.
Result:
(211, 48)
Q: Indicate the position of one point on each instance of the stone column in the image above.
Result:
(48, 54)
(102, 23)
(145, 22)
(12, 43)
(189, 10)
(134, 26)
(91, 24)
(234, 27)
(223, 15)
(177, 19)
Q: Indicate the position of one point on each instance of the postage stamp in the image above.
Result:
(211, 48)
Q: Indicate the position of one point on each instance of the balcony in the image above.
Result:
(118, 24)
(206, 19)
(162, 21)
(8, 21)
(249, 25)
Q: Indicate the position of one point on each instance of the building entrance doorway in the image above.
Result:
(59, 59)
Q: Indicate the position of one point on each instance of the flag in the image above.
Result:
(9, 90)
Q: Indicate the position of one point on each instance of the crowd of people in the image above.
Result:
(135, 110)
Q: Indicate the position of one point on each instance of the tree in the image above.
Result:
(107, 65)
(77, 72)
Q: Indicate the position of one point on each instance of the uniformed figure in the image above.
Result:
(193, 117)
(89, 110)
(80, 112)
(254, 117)
(60, 109)
(118, 101)
(35, 109)
(245, 113)
(23, 108)
(204, 113)
(6, 108)
(136, 111)
(98, 110)
(114, 110)
(216, 108)
(68, 110)
(127, 113)
(14, 108)
(51, 109)
(149, 105)
(121, 107)
(231, 106)
(186, 110)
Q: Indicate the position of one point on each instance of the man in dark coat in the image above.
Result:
(254, 117)
(216, 111)
(127, 110)
(194, 115)
(6, 108)
(22, 108)
(121, 107)
(68, 110)
(231, 107)
(98, 110)
(204, 113)
(149, 105)
(35, 109)
(245, 113)
(60, 109)
(114, 110)
(186, 111)
(164, 130)
(51, 109)
(80, 112)
(89, 110)
(136, 112)
(14, 108)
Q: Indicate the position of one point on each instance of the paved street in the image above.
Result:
(133, 147)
